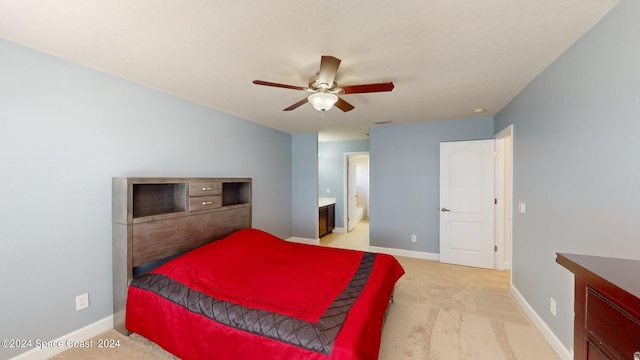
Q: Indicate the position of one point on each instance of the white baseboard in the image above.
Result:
(340, 230)
(406, 253)
(551, 338)
(304, 240)
(80, 335)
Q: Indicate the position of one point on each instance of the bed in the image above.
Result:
(252, 295)
(230, 291)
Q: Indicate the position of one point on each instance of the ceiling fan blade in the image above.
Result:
(268, 83)
(328, 70)
(296, 105)
(343, 105)
(367, 88)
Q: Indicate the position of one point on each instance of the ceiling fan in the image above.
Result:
(325, 91)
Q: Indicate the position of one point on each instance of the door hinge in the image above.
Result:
(495, 248)
(495, 201)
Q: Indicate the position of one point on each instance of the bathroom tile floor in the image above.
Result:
(356, 239)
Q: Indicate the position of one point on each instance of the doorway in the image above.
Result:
(504, 197)
(460, 241)
(356, 189)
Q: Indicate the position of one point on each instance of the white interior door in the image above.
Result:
(352, 193)
(467, 203)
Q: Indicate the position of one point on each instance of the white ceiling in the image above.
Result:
(445, 57)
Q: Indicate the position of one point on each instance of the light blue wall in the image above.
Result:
(65, 131)
(404, 180)
(576, 164)
(331, 171)
(305, 185)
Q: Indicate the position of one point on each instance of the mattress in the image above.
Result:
(252, 295)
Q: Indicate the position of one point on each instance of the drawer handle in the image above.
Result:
(207, 202)
(636, 355)
(207, 188)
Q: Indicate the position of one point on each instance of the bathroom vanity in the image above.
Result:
(326, 215)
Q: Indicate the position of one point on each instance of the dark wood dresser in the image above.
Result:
(607, 306)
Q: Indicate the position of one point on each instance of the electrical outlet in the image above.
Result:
(552, 306)
(82, 301)
(414, 238)
(328, 190)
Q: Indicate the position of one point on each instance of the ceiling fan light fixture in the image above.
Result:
(322, 101)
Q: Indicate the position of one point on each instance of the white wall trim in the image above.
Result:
(340, 230)
(551, 338)
(80, 335)
(304, 240)
(406, 253)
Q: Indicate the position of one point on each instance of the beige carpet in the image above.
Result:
(441, 312)
(444, 312)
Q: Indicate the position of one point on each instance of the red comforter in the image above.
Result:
(256, 296)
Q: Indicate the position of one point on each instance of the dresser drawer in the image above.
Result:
(205, 202)
(610, 328)
(205, 188)
(594, 352)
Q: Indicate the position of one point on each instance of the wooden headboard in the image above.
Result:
(155, 218)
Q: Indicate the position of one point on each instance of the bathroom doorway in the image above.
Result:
(356, 190)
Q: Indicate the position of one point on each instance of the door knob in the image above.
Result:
(444, 209)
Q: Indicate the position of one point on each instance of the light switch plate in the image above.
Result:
(521, 207)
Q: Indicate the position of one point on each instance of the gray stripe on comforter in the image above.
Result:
(318, 337)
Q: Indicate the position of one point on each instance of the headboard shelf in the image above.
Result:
(234, 193)
(171, 215)
(154, 218)
(155, 199)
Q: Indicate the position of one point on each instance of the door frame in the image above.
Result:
(345, 182)
(504, 197)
